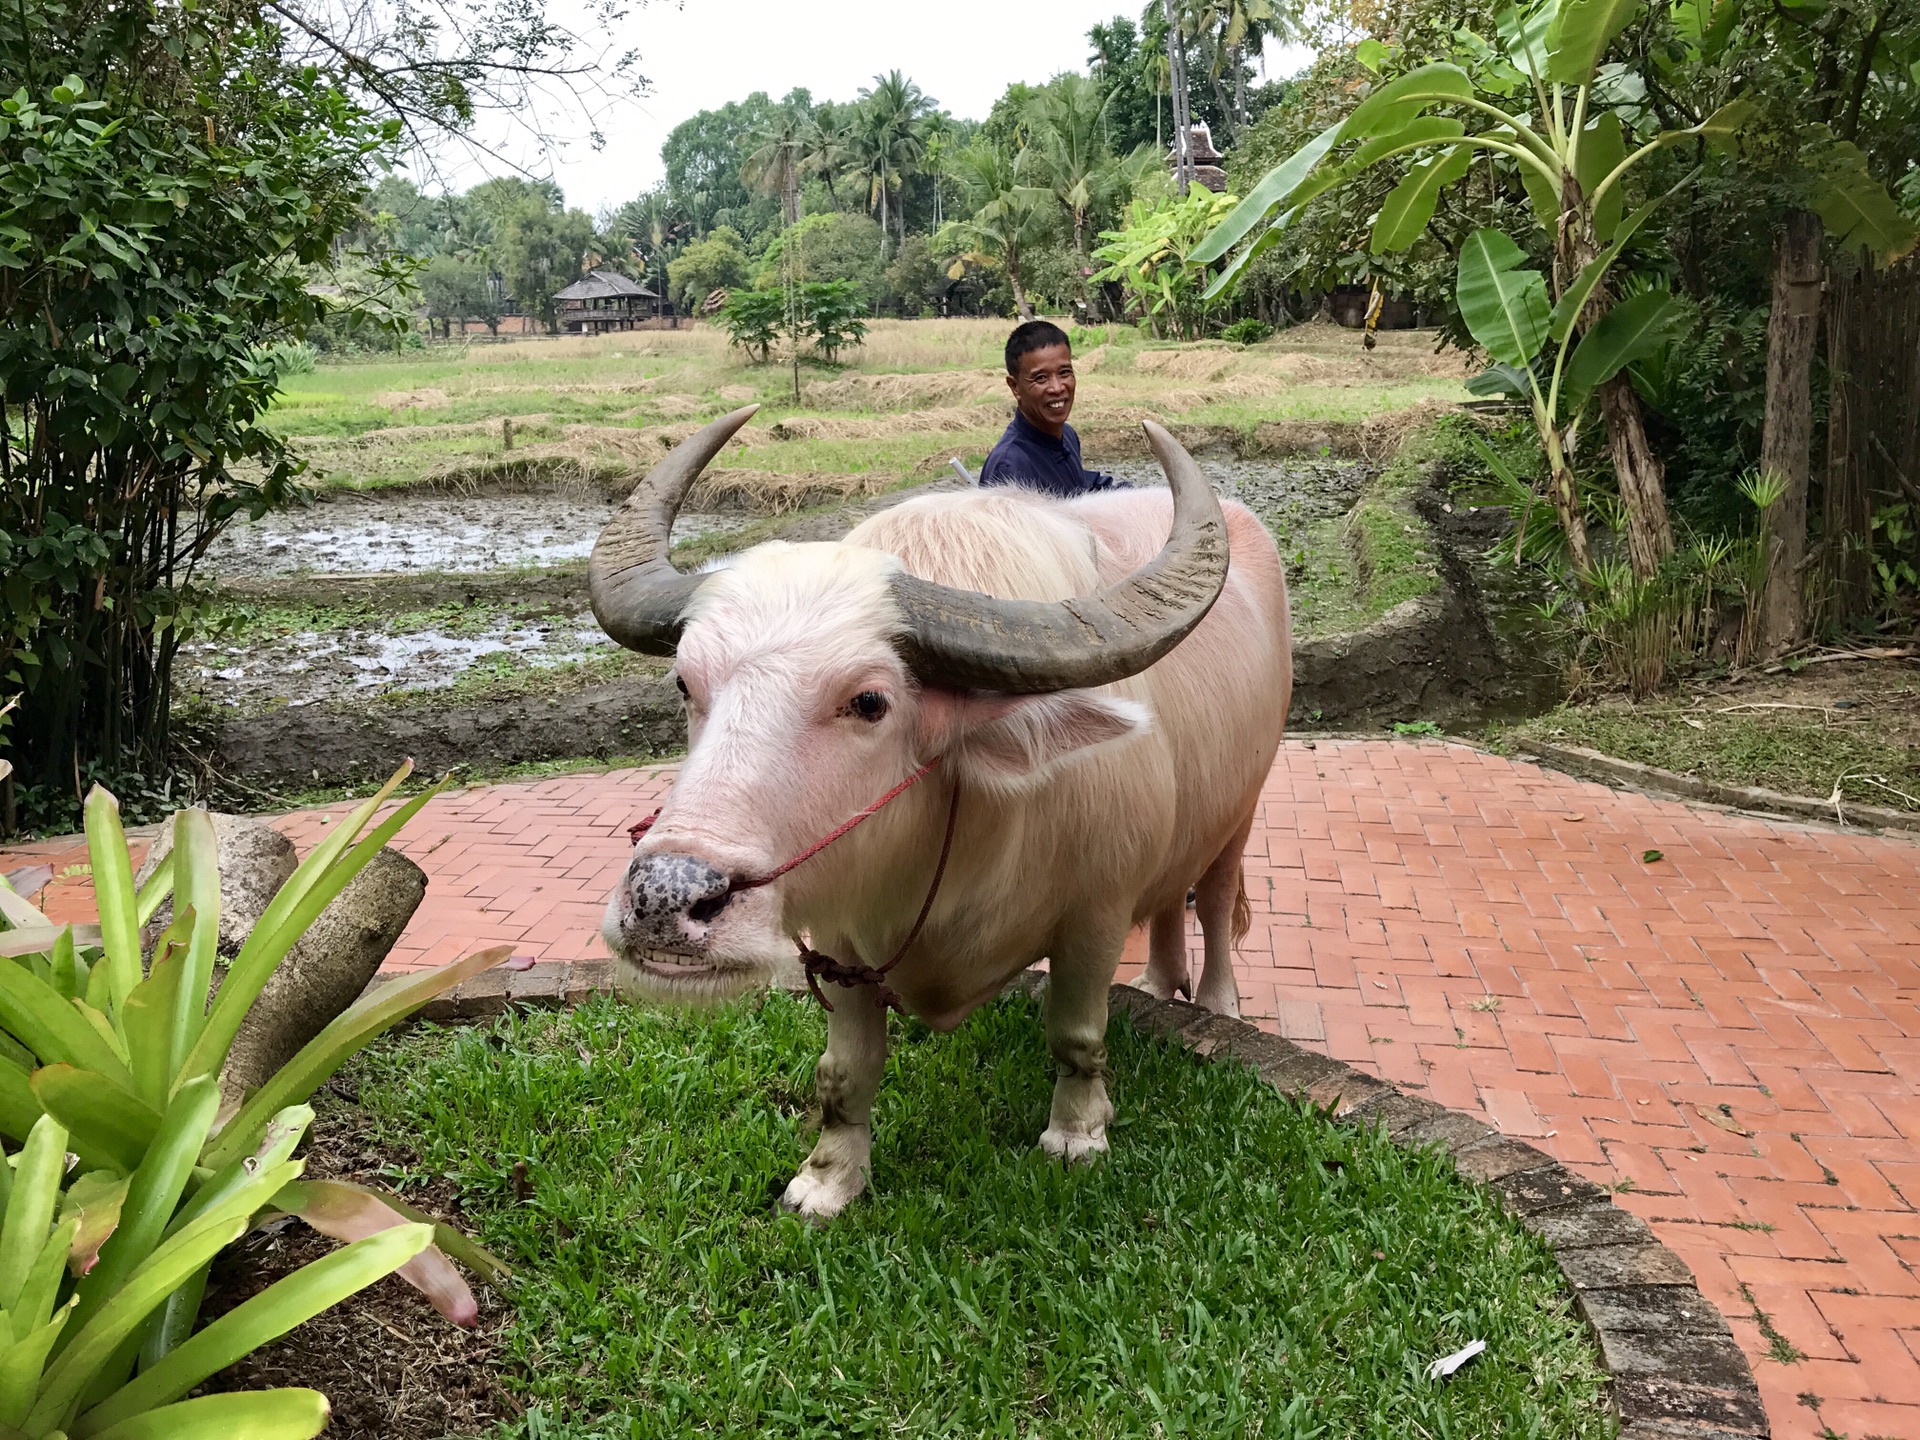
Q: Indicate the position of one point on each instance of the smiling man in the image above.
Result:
(1039, 449)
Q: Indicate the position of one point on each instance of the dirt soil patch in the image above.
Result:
(1854, 723)
(389, 1365)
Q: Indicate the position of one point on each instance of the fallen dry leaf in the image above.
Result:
(1723, 1119)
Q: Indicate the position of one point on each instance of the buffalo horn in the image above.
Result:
(964, 639)
(639, 598)
(949, 637)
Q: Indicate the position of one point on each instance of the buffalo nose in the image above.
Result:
(667, 888)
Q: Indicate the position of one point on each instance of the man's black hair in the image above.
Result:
(1033, 335)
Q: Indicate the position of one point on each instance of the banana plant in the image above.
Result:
(1543, 102)
(117, 1062)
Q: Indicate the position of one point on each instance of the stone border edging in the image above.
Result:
(1677, 1372)
(1588, 764)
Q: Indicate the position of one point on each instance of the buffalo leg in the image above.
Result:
(1166, 972)
(844, 1082)
(1221, 891)
(1077, 1035)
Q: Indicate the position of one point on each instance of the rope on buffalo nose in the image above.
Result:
(824, 967)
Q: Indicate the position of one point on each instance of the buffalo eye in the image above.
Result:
(683, 687)
(869, 705)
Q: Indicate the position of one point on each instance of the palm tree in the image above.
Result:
(1008, 216)
(889, 140)
(779, 156)
(654, 229)
(1223, 29)
(1071, 156)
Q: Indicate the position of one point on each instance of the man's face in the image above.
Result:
(1043, 388)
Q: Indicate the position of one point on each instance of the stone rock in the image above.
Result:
(327, 969)
(255, 861)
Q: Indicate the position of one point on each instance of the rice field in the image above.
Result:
(594, 413)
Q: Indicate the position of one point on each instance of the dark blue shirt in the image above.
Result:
(1027, 455)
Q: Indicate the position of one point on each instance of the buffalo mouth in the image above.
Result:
(665, 965)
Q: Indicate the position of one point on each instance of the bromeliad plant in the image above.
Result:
(103, 1264)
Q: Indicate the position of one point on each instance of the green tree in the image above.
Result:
(715, 263)
(540, 251)
(703, 157)
(838, 246)
(754, 320)
(165, 180)
(1069, 154)
(458, 290)
(1006, 219)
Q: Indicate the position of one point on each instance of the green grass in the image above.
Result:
(1779, 750)
(1238, 1266)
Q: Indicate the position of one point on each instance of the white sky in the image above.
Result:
(702, 53)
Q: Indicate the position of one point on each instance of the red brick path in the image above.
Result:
(1729, 1034)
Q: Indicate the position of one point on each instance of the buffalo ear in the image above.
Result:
(1003, 741)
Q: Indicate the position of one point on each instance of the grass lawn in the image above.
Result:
(1238, 1266)
(1800, 732)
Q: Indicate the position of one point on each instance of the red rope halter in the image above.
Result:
(817, 965)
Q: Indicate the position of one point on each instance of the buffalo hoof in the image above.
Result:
(1221, 999)
(1160, 988)
(822, 1194)
(1074, 1146)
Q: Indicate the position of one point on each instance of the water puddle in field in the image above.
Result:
(371, 534)
(308, 667)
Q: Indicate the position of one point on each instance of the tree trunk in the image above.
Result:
(1020, 301)
(1641, 476)
(883, 214)
(1239, 88)
(1637, 470)
(1177, 88)
(1080, 249)
(1566, 507)
(1786, 436)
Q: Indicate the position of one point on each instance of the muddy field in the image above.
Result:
(410, 533)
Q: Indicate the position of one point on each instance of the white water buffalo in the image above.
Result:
(1093, 721)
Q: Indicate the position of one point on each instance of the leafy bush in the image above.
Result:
(754, 320)
(1250, 331)
(106, 1268)
(1148, 255)
(832, 314)
(159, 231)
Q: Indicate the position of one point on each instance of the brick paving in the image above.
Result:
(1728, 1035)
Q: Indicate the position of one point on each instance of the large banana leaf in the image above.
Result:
(1857, 210)
(1630, 331)
(1523, 34)
(362, 1023)
(1407, 209)
(1398, 101)
(1603, 145)
(1505, 307)
(288, 1302)
(1579, 35)
(1272, 191)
